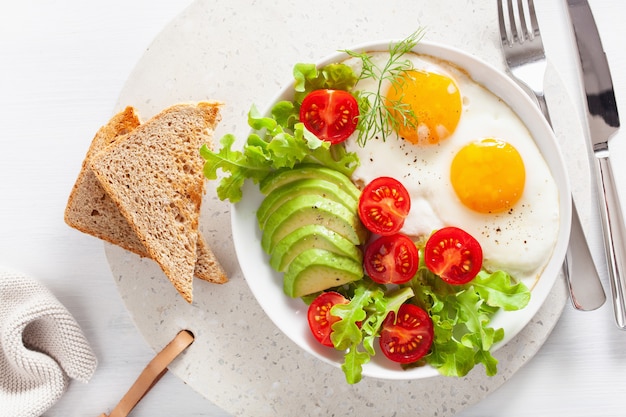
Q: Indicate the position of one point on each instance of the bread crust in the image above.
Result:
(89, 208)
(102, 209)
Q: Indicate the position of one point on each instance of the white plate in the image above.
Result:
(290, 314)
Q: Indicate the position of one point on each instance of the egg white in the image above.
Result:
(519, 241)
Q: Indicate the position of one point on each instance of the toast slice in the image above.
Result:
(154, 176)
(91, 210)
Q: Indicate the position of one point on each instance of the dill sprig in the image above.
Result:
(378, 115)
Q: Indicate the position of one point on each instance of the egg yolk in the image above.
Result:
(434, 102)
(488, 175)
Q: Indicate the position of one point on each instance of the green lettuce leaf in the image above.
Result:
(498, 290)
(360, 323)
(333, 76)
(461, 318)
(241, 166)
(270, 147)
(352, 366)
(280, 141)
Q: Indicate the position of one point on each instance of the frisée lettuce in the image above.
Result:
(461, 316)
(279, 141)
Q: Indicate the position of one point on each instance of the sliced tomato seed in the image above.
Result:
(454, 255)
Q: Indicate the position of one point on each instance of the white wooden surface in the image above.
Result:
(62, 66)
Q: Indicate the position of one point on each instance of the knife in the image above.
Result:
(603, 123)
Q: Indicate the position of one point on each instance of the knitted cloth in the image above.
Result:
(41, 347)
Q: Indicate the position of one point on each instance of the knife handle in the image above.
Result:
(614, 236)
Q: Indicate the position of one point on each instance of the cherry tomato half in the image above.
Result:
(331, 115)
(391, 259)
(408, 337)
(320, 319)
(383, 206)
(454, 255)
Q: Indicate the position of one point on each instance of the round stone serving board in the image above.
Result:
(241, 53)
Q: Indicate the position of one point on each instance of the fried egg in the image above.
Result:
(433, 122)
(467, 160)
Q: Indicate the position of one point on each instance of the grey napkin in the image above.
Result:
(41, 347)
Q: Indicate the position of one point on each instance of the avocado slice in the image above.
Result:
(316, 270)
(311, 209)
(309, 237)
(282, 177)
(312, 186)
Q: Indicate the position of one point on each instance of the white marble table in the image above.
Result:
(62, 67)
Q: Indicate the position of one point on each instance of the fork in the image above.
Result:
(524, 52)
(526, 64)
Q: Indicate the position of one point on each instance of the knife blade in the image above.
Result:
(603, 123)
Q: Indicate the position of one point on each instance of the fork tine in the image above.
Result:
(522, 19)
(512, 23)
(504, 38)
(524, 54)
(533, 18)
